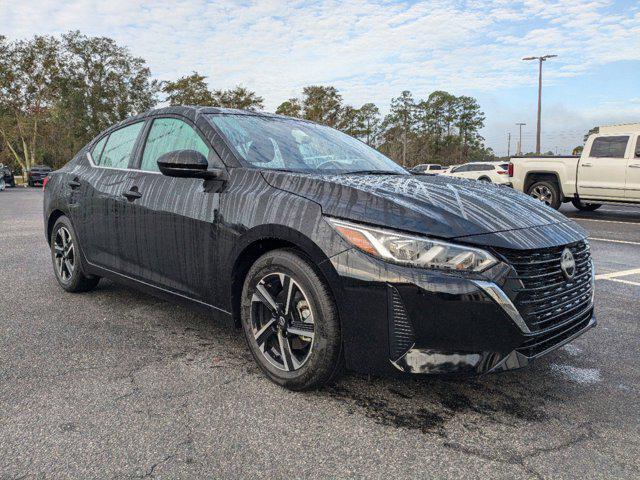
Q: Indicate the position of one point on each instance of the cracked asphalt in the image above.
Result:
(117, 384)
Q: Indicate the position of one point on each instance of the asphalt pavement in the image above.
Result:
(118, 384)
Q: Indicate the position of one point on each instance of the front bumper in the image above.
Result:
(399, 319)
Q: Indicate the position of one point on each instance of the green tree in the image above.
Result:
(403, 118)
(102, 83)
(322, 105)
(29, 74)
(189, 90)
(290, 108)
(370, 120)
(238, 97)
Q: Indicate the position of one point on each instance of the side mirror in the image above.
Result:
(186, 164)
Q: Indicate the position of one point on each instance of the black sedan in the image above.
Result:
(326, 253)
(37, 174)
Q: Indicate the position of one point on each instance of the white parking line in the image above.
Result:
(626, 242)
(603, 221)
(628, 282)
(619, 273)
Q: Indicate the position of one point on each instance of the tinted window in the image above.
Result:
(117, 151)
(435, 167)
(613, 147)
(167, 135)
(268, 142)
(503, 166)
(463, 168)
(638, 148)
(96, 153)
(472, 168)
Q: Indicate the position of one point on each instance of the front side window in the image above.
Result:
(287, 144)
(117, 152)
(167, 135)
(638, 147)
(609, 147)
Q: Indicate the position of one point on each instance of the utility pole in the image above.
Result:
(509, 145)
(520, 140)
(540, 60)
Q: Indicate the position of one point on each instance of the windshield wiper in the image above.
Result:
(374, 172)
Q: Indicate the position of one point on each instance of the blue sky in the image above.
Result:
(372, 50)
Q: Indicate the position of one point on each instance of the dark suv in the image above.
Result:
(7, 174)
(324, 251)
(37, 174)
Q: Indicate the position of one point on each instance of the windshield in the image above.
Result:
(288, 144)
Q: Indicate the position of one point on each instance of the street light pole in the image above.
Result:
(520, 140)
(540, 60)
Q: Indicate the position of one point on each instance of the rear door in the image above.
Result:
(102, 214)
(176, 218)
(633, 173)
(602, 174)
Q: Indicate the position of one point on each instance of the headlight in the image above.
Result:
(413, 250)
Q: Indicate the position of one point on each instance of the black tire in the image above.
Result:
(546, 192)
(485, 179)
(324, 358)
(585, 207)
(72, 279)
(30, 183)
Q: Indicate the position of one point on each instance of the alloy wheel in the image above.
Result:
(64, 254)
(282, 322)
(542, 193)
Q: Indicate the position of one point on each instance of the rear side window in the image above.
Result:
(167, 135)
(638, 148)
(610, 147)
(503, 166)
(117, 152)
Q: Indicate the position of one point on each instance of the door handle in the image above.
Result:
(132, 194)
(74, 183)
(586, 164)
(635, 165)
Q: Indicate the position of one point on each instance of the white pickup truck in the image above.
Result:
(608, 171)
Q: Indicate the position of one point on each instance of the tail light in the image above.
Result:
(44, 182)
(502, 172)
(510, 169)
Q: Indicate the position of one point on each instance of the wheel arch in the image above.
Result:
(542, 176)
(266, 238)
(51, 221)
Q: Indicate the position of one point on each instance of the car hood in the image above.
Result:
(445, 207)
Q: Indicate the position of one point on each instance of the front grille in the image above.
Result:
(552, 306)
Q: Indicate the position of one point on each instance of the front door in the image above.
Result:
(633, 174)
(176, 232)
(602, 174)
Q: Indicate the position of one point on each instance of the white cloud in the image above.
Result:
(369, 50)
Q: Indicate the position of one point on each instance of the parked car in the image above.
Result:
(321, 249)
(7, 176)
(608, 171)
(426, 168)
(494, 172)
(37, 174)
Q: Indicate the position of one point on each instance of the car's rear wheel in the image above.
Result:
(485, 179)
(546, 192)
(290, 321)
(585, 207)
(67, 259)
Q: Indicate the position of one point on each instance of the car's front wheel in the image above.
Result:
(290, 321)
(67, 258)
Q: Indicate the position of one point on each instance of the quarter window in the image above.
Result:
(609, 147)
(167, 135)
(117, 151)
(96, 153)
